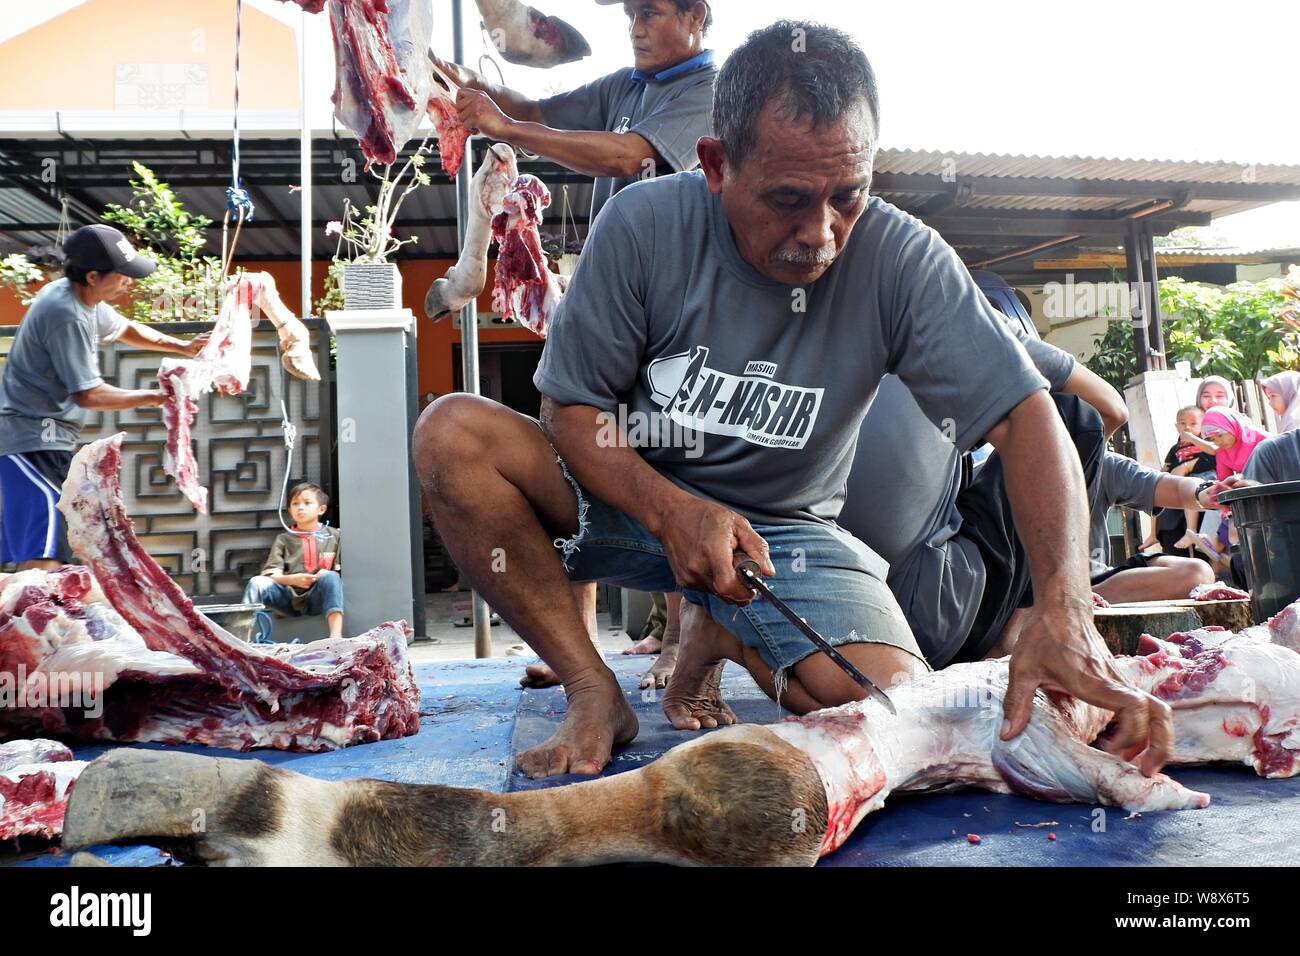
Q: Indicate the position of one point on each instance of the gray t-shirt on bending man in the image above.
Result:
(666, 319)
(55, 354)
(671, 113)
(1275, 459)
(1123, 482)
(902, 502)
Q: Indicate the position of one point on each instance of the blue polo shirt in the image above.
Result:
(671, 109)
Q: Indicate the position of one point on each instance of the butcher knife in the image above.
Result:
(747, 568)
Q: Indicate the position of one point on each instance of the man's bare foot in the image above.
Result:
(662, 669)
(540, 675)
(649, 645)
(597, 721)
(693, 698)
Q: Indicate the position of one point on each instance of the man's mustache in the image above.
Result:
(804, 256)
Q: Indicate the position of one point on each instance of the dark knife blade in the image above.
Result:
(748, 571)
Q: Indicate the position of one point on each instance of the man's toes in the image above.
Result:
(680, 716)
(538, 676)
(588, 767)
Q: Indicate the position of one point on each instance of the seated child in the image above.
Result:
(302, 571)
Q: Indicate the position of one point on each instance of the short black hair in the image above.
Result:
(76, 274)
(321, 495)
(686, 6)
(818, 71)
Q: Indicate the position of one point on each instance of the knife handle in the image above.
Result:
(744, 562)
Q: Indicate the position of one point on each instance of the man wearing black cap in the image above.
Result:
(629, 125)
(52, 374)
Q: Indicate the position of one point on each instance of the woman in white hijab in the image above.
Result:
(1283, 392)
(1220, 392)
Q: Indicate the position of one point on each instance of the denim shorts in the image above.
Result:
(827, 577)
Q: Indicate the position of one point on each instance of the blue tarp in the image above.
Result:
(475, 717)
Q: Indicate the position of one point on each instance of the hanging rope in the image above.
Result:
(566, 220)
(238, 201)
(65, 224)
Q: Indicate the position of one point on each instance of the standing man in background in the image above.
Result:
(633, 124)
(50, 379)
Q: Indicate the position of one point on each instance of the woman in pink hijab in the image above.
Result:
(1283, 392)
(1236, 437)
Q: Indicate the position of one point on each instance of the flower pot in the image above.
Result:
(371, 285)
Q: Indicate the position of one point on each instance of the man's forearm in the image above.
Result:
(615, 473)
(110, 398)
(140, 336)
(1037, 453)
(1173, 491)
(592, 153)
(511, 102)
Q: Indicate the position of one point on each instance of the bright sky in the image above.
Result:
(1216, 81)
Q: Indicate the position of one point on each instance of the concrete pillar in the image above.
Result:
(376, 480)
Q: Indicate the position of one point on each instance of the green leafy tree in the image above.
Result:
(185, 286)
(1238, 331)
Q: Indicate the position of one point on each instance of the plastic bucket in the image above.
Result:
(1268, 528)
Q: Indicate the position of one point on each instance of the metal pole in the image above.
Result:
(468, 316)
(1155, 331)
(304, 171)
(1133, 273)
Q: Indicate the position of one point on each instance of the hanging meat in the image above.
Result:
(224, 365)
(381, 73)
(465, 280)
(525, 288)
(525, 35)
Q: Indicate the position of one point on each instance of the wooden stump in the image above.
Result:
(1122, 624)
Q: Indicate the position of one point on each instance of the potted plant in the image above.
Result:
(361, 275)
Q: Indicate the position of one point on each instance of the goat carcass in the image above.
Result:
(524, 35)
(732, 796)
(465, 280)
(147, 666)
(525, 289)
(224, 364)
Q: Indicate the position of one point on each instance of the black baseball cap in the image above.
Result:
(101, 248)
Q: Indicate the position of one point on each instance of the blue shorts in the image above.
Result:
(31, 527)
(827, 577)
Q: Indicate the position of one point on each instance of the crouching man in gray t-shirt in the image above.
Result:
(703, 385)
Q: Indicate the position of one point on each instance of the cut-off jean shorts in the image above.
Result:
(827, 577)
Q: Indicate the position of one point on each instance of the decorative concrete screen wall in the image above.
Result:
(241, 456)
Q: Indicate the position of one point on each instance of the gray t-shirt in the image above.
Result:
(902, 502)
(55, 353)
(672, 114)
(1123, 482)
(1275, 459)
(665, 321)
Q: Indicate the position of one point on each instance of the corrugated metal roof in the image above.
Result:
(1082, 167)
(1014, 194)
